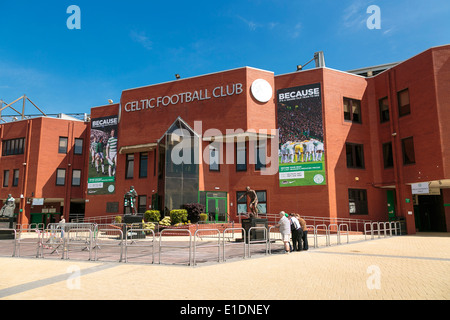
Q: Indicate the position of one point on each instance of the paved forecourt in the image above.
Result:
(404, 267)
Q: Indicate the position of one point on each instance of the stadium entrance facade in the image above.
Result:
(318, 142)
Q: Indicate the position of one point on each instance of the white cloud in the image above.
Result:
(141, 38)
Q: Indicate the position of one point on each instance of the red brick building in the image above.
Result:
(205, 139)
(42, 165)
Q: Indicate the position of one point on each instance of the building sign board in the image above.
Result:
(103, 155)
(301, 151)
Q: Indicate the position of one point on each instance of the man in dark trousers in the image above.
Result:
(297, 233)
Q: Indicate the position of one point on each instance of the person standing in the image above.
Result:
(304, 233)
(285, 229)
(297, 233)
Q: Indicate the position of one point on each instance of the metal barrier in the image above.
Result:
(313, 229)
(265, 240)
(330, 230)
(206, 245)
(225, 244)
(108, 238)
(30, 237)
(51, 242)
(12, 242)
(111, 242)
(175, 246)
(137, 243)
(78, 238)
(370, 230)
(326, 235)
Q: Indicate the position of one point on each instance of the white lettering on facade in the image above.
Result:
(185, 97)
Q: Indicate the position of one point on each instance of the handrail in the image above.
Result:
(257, 241)
(173, 246)
(229, 244)
(206, 245)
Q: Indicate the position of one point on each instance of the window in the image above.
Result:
(262, 201)
(388, 157)
(260, 154)
(129, 168)
(409, 156)
(142, 203)
(112, 207)
(355, 155)
(241, 156)
(403, 103)
(357, 202)
(5, 178)
(78, 148)
(214, 158)
(60, 177)
(13, 147)
(62, 147)
(384, 110)
(76, 177)
(241, 203)
(352, 110)
(143, 164)
(15, 177)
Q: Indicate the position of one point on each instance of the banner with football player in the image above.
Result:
(103, 156)
(301, 151)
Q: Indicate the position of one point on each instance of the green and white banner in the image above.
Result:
(103, 156)
(301, 151)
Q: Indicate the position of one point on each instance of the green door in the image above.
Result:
(391, 204)
(217, 208)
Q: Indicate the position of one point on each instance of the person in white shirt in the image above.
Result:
(296, 230)
(285, 229)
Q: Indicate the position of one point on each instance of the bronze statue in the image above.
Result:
(251, 194)
(8, 208)
(130, 199)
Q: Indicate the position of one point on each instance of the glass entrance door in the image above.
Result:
(217, 209)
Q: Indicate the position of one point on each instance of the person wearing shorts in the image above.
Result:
(285, 229)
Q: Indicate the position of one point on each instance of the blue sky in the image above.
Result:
(127, 44)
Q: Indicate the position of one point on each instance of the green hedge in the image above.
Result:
(178, 216)
(152, 216)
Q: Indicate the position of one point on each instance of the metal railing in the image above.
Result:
(124, 243)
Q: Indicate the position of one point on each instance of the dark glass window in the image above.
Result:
(352, 110)
(129, 169)
(388, 157)
(60, 177)
(76, 177)
(62, 147)
(6, 178)
(78, 148)
(409, 156)
(357, 201)
(384, 110)
(355, 155)
(13, 147)
(404, 107)
(260, 154)
(143, 165)
(15, 178)
(214, 158)
(241, 156)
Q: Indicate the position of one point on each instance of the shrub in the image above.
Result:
(152, 215)
(203, 217)
(193, 211)
(118, 219)
(165, 222)
(178, 216)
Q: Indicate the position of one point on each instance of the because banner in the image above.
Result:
(301, 151)
(103, 156)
